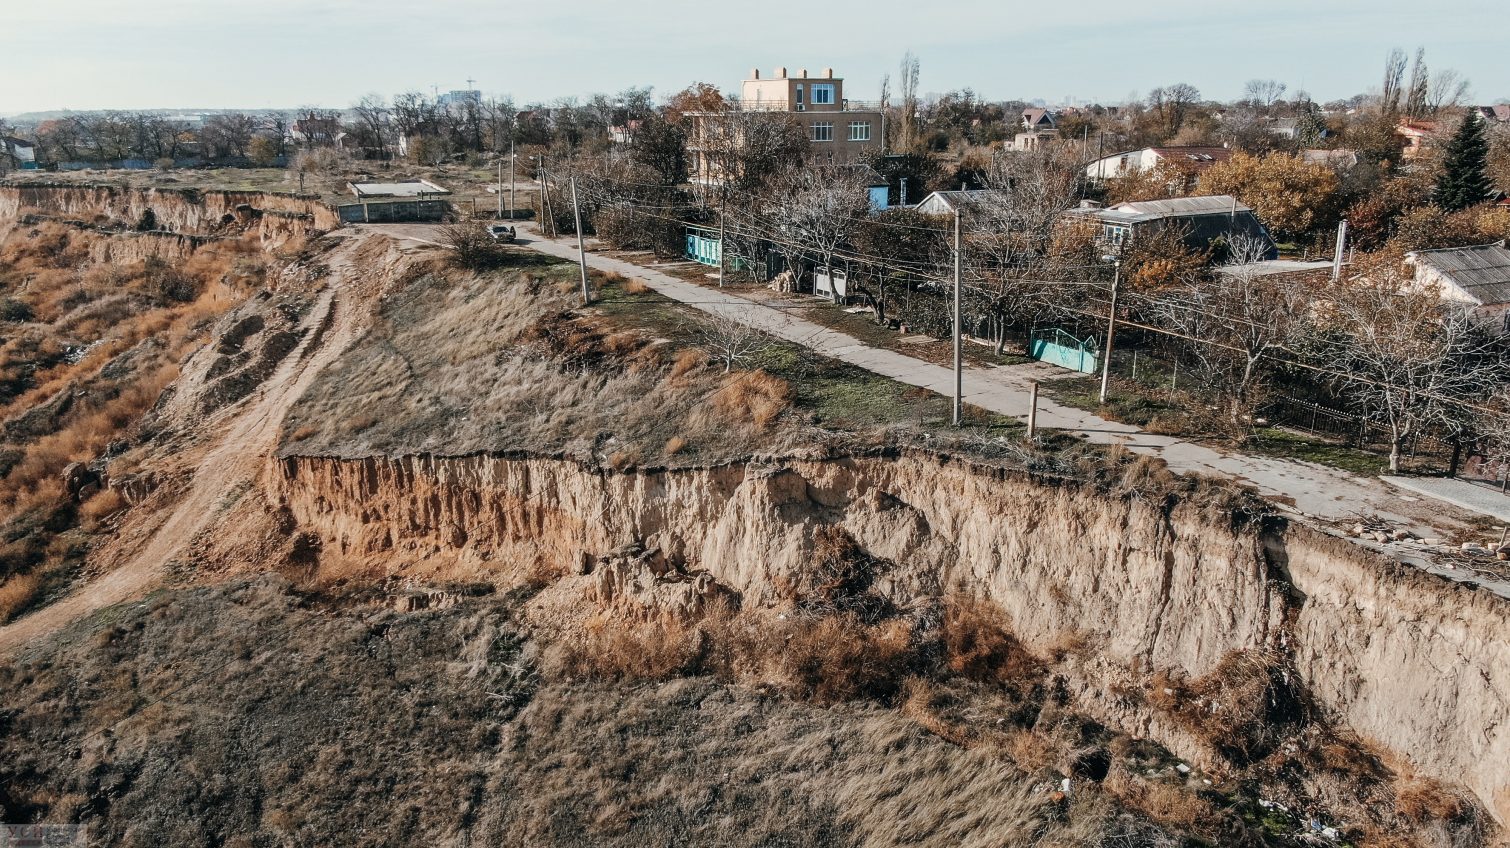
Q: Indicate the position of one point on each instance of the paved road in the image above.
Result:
(1311, 489)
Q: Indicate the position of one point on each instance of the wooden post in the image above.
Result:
(1033, 412)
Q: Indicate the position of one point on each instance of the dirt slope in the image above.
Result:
(235, 460)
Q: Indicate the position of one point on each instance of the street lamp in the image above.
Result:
(1111, 323)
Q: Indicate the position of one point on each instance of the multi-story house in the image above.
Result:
(838, 130)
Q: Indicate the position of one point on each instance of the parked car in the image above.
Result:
(501, 232)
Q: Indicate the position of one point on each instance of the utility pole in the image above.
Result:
(1337, 254)
(903, 192)
(545, 203)
(958, 372)
(576, 211)
(723, 208)
(513, 167)
(500, 188)
(1111, 329)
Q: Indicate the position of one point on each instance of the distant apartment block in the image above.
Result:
(839, 130)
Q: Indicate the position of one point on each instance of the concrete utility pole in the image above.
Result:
(722, 210)
(500, 188)
(903, 192)
(576, 211)
(959, 382)
(1111, 329)
(513, 167)
(1337, 254)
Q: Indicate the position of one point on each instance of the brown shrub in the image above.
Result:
(635, 285)
(688, 360)
(103, 505)
(1237, 708)
(833, 659)
(18, 593)
(753, 396)
(1425, 800)
(675, 445)
(626, 458)
(978, 646)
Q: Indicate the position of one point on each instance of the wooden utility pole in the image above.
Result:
(958, 365)
(576, 211)
(1111, 329)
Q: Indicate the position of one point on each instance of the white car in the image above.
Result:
(501, 232)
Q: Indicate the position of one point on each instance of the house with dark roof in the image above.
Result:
(964, 200)
(1201, 220)
(1034, 119)
(1499, 113)
(1477, 276)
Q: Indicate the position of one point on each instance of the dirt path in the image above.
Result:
(236, 459)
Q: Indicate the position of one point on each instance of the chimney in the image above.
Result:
(802, 73)
(781, 73)
(754, 73)
(828, 73)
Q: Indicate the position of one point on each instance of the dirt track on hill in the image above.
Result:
(237, 458)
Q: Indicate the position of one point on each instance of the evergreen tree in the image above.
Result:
(1465, 179)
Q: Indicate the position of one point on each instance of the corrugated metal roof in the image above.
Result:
(963, 199)
(1174, 207)
(1482, 271)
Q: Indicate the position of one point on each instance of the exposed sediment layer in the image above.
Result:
(1414, 664)
(190, 212)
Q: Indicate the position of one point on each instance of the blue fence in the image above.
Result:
(704, 247)
(1056, 347)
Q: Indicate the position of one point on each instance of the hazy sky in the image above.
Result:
(89, 54)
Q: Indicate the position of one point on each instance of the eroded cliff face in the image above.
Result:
(276, 218)
(1413, 664)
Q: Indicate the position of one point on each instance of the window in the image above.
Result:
(823, 131)
(859, 130)
(799, 94)
(823, 94)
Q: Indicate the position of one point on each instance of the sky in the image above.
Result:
(97, 54)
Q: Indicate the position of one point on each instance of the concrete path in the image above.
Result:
(1310, 489)
(1483, 499)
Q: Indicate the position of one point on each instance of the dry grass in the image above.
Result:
(100, 507)
(611, 649)
(675, 445)
(635, 285)
(753, 396)
(17, 593)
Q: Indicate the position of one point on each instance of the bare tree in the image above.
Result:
(817, 210)
(731, 341)
(373, 119)
(907, 120)
(1448, 91)
(1410, 356)
(1391, 91)
(1240, 319)
(1010, 230)
(1420, 87)
(1263, 94)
